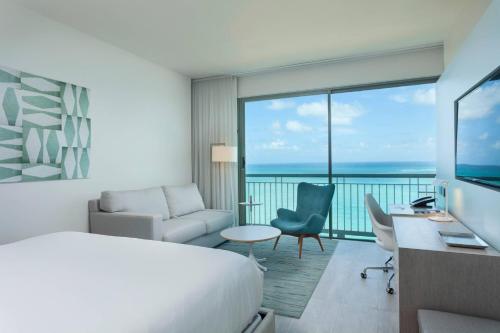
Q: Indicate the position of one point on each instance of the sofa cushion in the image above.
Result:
(181, 231)
(215, 219)
(444, 322)
(146, 201)
(183, 199)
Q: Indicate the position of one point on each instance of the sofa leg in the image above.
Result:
(276, 242)
(301, 239)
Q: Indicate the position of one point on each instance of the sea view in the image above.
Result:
(344, 168)
(274, 185)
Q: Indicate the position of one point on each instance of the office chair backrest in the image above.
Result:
(314, 199)
(381, 223)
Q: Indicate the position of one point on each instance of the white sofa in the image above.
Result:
(167, 213)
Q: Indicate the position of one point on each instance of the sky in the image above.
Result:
(379, 125)
(478, 130)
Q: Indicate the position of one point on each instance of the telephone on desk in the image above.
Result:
(423, 202)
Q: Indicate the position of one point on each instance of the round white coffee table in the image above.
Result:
(251, 234)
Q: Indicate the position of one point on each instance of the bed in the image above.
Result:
(79, 282)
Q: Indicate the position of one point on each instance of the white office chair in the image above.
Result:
(382, 228)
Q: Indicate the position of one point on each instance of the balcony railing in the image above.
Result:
(348, 215)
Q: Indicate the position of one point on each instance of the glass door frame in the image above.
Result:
(328, 92)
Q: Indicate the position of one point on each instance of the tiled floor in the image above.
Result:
(342, 301)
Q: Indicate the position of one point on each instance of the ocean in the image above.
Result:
(273, 186)
(344, 168)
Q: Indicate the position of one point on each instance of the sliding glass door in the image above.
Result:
(383, 143)
(372, 139)
(285, 143)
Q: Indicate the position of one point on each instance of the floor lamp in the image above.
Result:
(220, 153)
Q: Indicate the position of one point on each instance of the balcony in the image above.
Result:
(348, 217)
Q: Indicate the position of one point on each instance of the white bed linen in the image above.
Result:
(76, 282)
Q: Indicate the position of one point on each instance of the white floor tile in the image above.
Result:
(345, 303)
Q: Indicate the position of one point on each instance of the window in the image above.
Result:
(378, 140)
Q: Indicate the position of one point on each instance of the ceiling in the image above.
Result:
(203, 38)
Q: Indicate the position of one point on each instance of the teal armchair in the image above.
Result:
(308, 220)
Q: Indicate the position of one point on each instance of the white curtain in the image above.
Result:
(214, 121)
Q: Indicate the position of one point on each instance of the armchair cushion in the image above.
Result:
(290, 227)
(287, 214)
(313, 203)
(313, 199)
(315, 224)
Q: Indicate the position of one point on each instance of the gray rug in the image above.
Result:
(290, 281)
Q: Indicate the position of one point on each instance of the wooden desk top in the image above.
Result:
(422, 234)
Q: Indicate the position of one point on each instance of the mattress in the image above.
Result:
(78, 282)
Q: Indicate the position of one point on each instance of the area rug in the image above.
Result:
(289, 282)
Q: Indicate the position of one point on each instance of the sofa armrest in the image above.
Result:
(145, 226)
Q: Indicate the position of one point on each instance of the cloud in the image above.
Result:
(278, 144)
(398, 98)
(480, 103)
(425, 96)
(276, 125)
(429, 142)
(342, 113)
(343, 131)
(274, 145)
(281, 104)
(484, 136)
(297, 126)
(497, 145)
(397, 146)
(420, 96)
(314, 109)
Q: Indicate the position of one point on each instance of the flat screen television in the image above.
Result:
(477, 133)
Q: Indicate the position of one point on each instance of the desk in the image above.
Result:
(432, 275)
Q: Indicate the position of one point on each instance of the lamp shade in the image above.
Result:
(222, 153)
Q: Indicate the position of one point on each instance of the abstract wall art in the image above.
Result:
(45, 128)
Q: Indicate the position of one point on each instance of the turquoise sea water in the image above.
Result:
(344, 168)
(274, 186)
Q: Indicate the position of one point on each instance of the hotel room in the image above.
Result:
(250, 166)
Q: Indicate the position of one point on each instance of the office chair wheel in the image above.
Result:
(363, 275)
(390, 290)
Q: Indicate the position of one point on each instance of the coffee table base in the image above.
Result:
(256, 260)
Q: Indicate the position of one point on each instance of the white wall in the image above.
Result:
(476, 206)
(140, 119)
(394, 66)
(463, 26)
